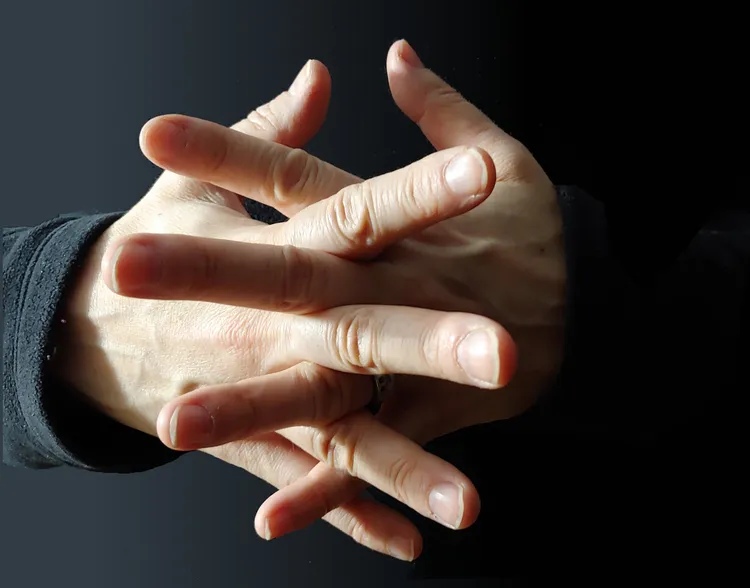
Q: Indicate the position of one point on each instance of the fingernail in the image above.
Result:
(466, 174)
(114, 264)
(446, 503)
(284, 522)
(190, 426)
(477, 356)
(409, 56)
(138, 266)
(302, 79)
(401, 548)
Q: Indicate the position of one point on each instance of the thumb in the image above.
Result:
(445, 117)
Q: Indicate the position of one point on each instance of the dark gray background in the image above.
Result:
(581, 88)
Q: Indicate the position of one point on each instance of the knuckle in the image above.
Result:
(293, 174)
(430, 344)
(358, 531)
(322, 446)
(298, 279)
(354, 526)
(337, 396)
(354, 219)
(337, 447)
(513, 163)
(235, 331)
(355, 342)
(419, 193)
(399, 473)
(327, 396)
(264, 119)
(442, 97)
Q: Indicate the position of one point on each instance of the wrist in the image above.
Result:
(83, 338)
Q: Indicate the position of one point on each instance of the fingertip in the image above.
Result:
(272, 523)
(471, 505)
(313, 76)
(489, 167)
(305, 115)
(109, 263)
(261, 525)
(508, 358)
(163, 425)
(319, 75)
(408, 55)
(409, 84)
(163, 136)
(302, 81)
(143, 135)
(129, 265)
(417, 545)
(403, 57)
(393, 59)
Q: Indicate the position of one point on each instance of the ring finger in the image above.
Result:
(218, 414)
(278, 462)
(362, 447)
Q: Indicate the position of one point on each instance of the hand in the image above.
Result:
(132, 356)
(507, 256)
(504, 260)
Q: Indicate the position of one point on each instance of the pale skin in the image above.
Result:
(486, 248)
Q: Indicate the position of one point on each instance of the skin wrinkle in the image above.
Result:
(289, 175)
(353, 221)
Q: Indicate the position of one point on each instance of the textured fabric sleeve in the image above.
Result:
(657, 361)
(44, 424)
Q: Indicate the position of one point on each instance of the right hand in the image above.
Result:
(131, 356)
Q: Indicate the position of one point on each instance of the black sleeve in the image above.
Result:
(658, 361)
(44, 424)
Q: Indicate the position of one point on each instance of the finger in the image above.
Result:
(307, 499)
(292, 119)
(303, 394)
(267, 277)
(445, 117)
(278, 462)
(363, 219)
(460, 347)
(463, 348)
(296, 115)
(364, 448)
(283, 178)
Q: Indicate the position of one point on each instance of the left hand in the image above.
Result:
(507, 256)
